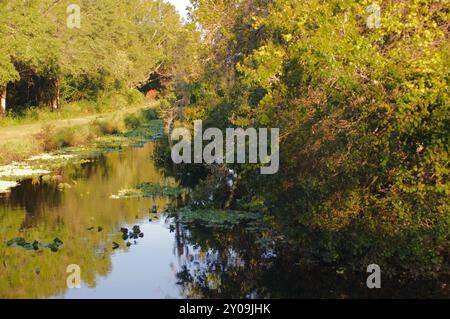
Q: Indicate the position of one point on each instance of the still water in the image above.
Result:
(171, 260)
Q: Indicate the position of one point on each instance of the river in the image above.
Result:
(171, 260)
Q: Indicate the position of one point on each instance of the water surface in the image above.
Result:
(172, 260)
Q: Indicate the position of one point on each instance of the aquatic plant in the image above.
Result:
(216, 218)
(21, 170)
(5, 186)
(35, 245)
(134, 234)
(149, 190)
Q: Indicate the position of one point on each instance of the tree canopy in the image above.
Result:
(117, 45)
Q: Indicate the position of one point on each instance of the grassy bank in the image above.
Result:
(52, 148)
(108, 102)
(53, 135)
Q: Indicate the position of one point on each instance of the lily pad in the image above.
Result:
(54, 246)
(35, 245)
(58, 241)
(136, 230)
(135, 233)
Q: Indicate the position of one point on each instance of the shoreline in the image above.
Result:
(40, 162)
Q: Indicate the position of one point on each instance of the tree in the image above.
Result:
(363, 116)
(118, 45)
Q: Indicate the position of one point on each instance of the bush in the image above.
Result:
(106, 127)
(69, 137)
(46, 137)
(17, 150)
(150, 114)
(132, 122)
(134, 97)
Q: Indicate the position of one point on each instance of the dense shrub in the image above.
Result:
(364, 119)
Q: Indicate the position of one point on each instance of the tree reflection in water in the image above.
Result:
(206, 262)
(232, 263)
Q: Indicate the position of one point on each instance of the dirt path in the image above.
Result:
(23, 131)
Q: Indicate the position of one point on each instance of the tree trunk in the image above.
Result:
(55, 102)
(2, 100)
(168, 119)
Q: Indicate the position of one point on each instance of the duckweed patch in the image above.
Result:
(150, 131)
(217, 218)
(148, 190)
(127, 193)
(50, 157)
(116, 142)
(21, 171)
(5, 186)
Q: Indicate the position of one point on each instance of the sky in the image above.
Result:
(181, 6)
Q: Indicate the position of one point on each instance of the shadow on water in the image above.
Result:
(230, 264)
(171, 260)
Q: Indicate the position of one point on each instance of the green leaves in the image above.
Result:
(118, 45)
(363, 114)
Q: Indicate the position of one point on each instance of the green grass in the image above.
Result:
(108, 133)
(17, 150)
(110, 102)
